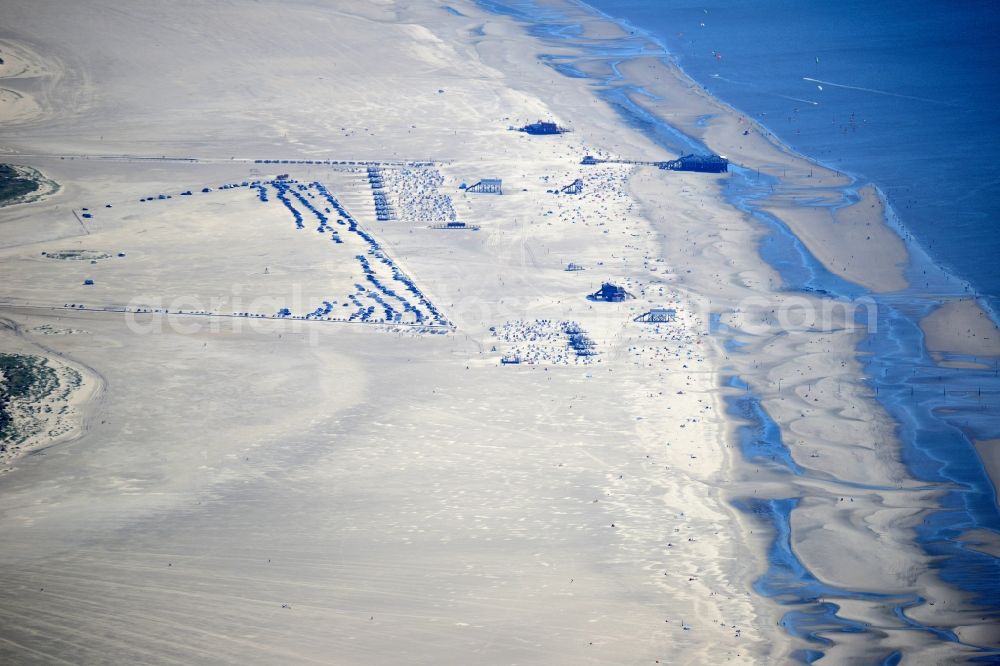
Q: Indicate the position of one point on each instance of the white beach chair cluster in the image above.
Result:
(416, 196)
(544, 342)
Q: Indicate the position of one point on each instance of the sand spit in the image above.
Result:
(989, 451)
(845, 230)
(961, 327)
(833, 234)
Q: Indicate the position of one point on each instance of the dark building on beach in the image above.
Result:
(543, 127)
(610, 293)
(702, 163)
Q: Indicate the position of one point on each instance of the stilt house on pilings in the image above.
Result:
(610, 293)
(657, 315)
(573, 188)
(702, 163)
(455, 225)
(487, 186)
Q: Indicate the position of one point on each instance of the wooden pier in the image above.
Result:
(699, 163)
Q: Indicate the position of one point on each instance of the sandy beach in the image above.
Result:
(314, 423)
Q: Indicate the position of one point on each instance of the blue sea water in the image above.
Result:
(912, 109)
(908, 100)
(903, 94)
